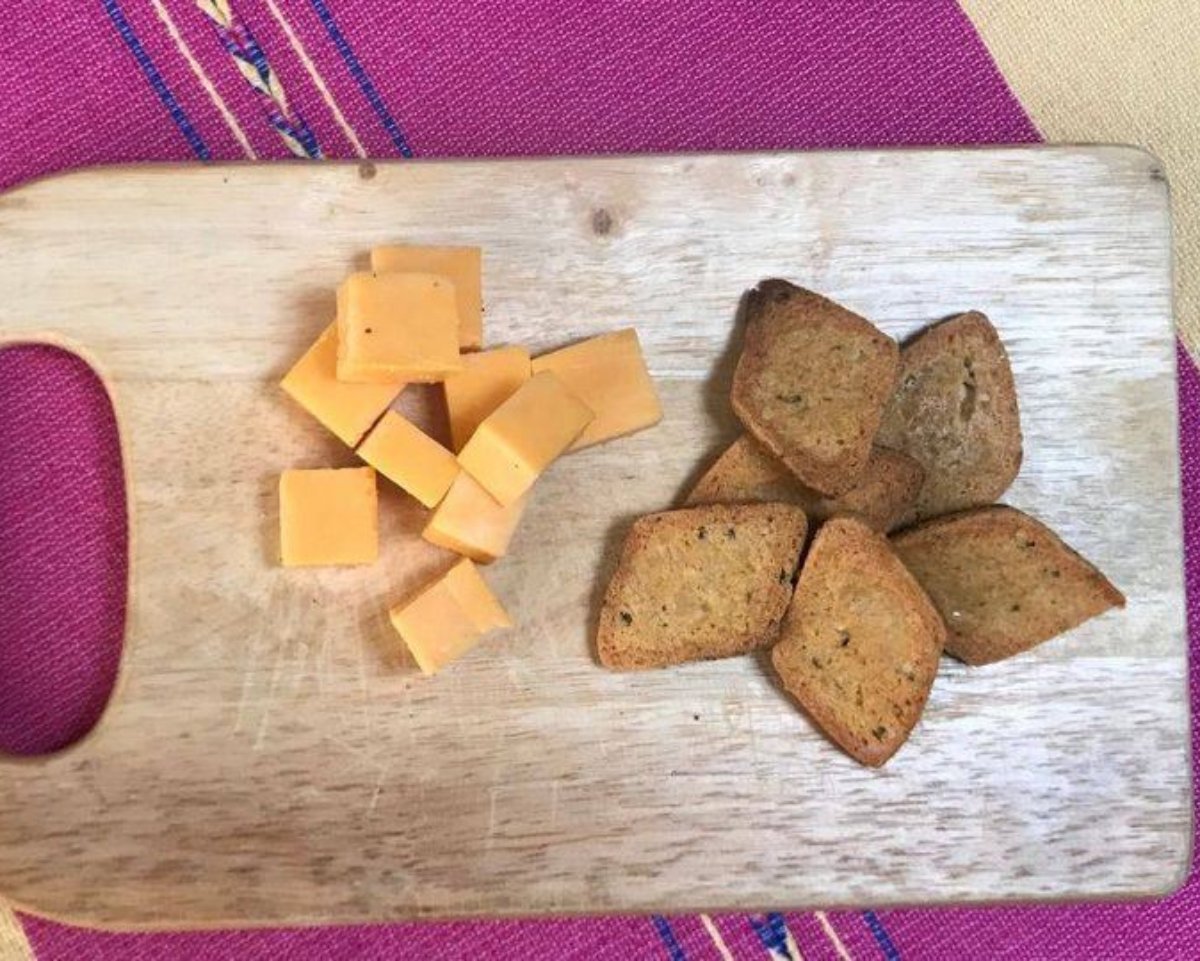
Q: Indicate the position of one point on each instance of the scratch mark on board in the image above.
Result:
(269, 701)
(491, 831)
(383, 773)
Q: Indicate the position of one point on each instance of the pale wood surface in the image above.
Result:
(269, 757)
(14, 946)
(1116, 72)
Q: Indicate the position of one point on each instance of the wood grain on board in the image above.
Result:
(270, 756)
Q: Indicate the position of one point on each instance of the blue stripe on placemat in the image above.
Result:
(772, 932)
(359, 73)
(670, 942)
(155, 79)
(879, 933)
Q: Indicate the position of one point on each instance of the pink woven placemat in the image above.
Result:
(98, 81)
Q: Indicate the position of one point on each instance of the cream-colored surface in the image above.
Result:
(1113, 71)
(13, 944)
(271, 755)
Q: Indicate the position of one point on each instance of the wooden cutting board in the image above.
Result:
(269, 756)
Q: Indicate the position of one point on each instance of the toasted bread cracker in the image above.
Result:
(955, 411)
(700, 583)
(745, 473)
(1003, 581)
(812, 382)
(860, 643)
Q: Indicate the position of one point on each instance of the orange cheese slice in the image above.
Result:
(410, 458)
(448, 617)
(328, 517)
(521, 437)
(461, 265)
(348, 410)
(471, 522)
(487, 380)
(396, 327)
(608, 373)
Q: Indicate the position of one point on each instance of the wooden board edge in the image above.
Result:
(1178, 870)
(1173, 880)
(368, 167)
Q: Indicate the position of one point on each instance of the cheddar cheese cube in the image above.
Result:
(348, 410)
(461, 265)
(520, 438)
(328, 517)
(471, 522)
(396, 327)
(608, 373)
(487, 380)
(410, 458)
(448, 617)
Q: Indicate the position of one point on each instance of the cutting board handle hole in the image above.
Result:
(63, 548)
